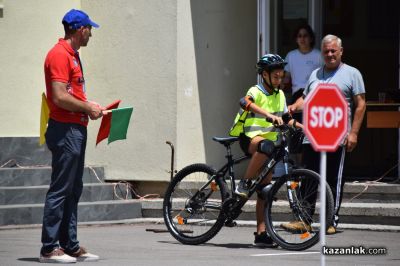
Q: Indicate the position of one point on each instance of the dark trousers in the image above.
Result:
(334, 177)
(67, 143)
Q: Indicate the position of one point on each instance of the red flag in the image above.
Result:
(105, 125)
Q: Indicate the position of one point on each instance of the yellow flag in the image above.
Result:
(44, 118)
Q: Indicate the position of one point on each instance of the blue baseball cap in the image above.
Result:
(77, 18)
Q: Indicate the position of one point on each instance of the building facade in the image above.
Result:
(183, 65)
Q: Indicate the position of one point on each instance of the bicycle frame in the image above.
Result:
(228, 167)
(211, 203)
(280, 154)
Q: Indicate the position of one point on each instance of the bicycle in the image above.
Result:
(199, 201)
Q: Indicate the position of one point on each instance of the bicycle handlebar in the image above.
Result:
(286, 117)
(285, 129)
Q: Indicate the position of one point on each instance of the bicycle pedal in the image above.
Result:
(230, 223)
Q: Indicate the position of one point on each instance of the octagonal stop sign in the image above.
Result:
(325, 117)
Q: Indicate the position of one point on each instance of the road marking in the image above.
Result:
(285, 254)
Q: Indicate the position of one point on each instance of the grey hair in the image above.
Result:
(330, 38)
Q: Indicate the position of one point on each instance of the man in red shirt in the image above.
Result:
(66, 138)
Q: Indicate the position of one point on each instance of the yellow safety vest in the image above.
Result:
(252, 124)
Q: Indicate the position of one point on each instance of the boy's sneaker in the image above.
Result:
(264, 240)
(56, 256)
(242, 189)
(83, 255)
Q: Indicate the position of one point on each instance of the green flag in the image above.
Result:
(119, 123)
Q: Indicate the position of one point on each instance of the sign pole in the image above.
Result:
(322, 219)
(325, 118)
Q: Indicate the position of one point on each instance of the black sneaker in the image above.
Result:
(242, 189)
(264, 240)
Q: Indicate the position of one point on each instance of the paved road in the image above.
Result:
(133, 245)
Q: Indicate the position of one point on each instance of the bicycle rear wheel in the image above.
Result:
(291, 216)
(192, 206)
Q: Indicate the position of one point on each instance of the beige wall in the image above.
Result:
(182, 65)
(190, 141)
(226, 52)
(28, 30)
(132, 57)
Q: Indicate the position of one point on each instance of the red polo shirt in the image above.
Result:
(62, 65)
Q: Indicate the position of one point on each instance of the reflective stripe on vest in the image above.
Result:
(256, 125)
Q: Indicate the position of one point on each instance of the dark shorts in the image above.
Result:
(244, 142)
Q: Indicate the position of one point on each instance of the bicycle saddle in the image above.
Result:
(225, 140)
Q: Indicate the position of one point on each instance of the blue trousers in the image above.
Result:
(67, 143)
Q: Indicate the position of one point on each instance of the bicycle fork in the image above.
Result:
(293, 187)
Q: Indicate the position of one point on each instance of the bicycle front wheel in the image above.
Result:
(192, 206)
(292, 212)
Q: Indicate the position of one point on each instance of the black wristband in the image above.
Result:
(294, 123)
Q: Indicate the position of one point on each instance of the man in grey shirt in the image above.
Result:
(351, 84)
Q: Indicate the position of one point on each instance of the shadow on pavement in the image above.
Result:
(224, 245)
(29, 259)
(234, 245)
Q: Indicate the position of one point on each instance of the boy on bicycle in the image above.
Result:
(262, 101)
